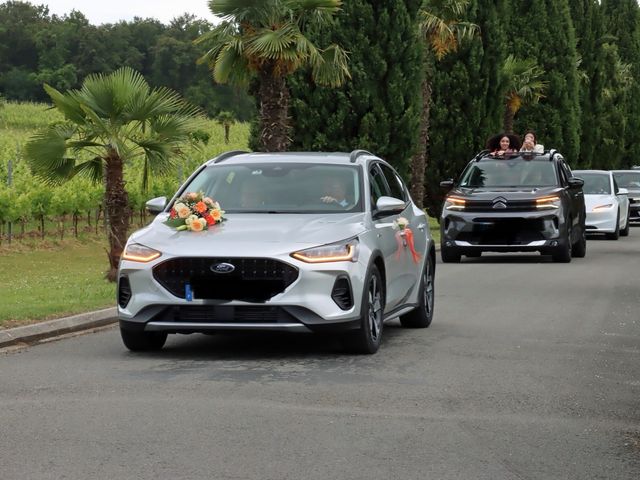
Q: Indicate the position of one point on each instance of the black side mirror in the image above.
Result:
(448, 184)
(575, 182)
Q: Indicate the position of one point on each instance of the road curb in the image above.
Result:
(28, 334)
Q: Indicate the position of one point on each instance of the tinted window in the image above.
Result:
(509, 173)
(628, 179)
(395, 184)
(281, 188)
(377, 184)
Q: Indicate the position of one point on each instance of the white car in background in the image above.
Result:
(607, 205)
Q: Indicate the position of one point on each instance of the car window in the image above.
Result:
(616, 189)
(396, 186)
(564, 179)
(596, 183)
(509, 173)
(281, 187)
(628, 179)
(377, 184)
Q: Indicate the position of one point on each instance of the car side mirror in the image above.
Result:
(388, 205)
(623, 191)
(156, 205)
(575, 182)
(448, 184)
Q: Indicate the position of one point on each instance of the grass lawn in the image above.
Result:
(54, 280)
(434, 226)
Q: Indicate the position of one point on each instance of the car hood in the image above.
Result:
(252, 234)
(509, 193)
(593, 200)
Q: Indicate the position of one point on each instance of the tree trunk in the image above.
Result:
(75, 225)
(42, 227)
(508, 120)
(274, 112)
(419, 160)
(116, 211)
(227, 129)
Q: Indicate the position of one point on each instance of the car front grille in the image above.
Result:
(231, 314)
(499, 206)
(507, 231)
(250, 279)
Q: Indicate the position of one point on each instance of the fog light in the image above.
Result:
(554, 243)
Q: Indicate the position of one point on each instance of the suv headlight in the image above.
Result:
(135, 252)
(344, 251)
(454, 203)
(599, 208)
(552, 201)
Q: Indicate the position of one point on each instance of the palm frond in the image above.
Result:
(46, 153)
(231, 66)
(271, 44)
(68, 104)
(92, 169)
(253, 11)
(330, 66)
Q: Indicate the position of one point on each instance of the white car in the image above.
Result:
(607, 205)
(312, 242)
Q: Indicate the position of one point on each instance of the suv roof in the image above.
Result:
(262, 157)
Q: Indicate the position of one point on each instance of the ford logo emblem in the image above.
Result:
(222, 268)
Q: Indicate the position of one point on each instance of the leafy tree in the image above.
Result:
(110, 121)
(226, 120)
(265, 39)
(522, 80)
(444, 30)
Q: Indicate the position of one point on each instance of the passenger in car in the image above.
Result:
(503, 143)
(335, 193)
(530, 144)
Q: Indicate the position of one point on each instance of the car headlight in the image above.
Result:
(135, 252)
(454, 203)
(345, 251)
(599, 208)
(552, 201)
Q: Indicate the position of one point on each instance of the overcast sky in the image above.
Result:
(111, 11)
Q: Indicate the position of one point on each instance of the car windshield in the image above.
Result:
(281, 187)
(509, 173)
(628, 179)
(595, 183)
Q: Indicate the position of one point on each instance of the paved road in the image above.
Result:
(531, 370)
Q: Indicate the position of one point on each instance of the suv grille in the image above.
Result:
(232, 314)
(505, 206)
(251, 279)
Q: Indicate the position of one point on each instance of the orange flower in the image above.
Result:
(209, 219)
(216, 214)
(201, 207)
(196, 225)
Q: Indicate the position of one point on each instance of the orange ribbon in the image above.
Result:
(407, 234)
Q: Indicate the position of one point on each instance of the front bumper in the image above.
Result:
(634, 210)
(501, 232)
(601, 222)
(305, 305)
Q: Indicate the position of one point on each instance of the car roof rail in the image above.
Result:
(356, 153)
(552, 153)
(224, 156)
(480, 155)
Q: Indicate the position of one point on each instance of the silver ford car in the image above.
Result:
(301, 242)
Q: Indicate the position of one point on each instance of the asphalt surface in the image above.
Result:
(531, 370)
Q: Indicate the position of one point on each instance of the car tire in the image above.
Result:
(449, 255)
(579, 249)
(562, 253)
(616, 233)
(143, 341)
(368, 337)
(625, 231)
(422, 315)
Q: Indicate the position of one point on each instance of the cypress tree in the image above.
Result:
(622, 19)
(543, 30)
(379, 108)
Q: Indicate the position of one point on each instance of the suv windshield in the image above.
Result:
(596, 183)
(628, 179)
(509, 173)
(281, 187)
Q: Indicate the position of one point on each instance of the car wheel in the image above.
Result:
(367, 338)
(616, 233)
(449, 255)
(625, 231)
(579, 249)
(562, 253)
(143, 341)
(422, 315)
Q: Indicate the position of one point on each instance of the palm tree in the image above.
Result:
(226, 119)
(443, 30)
(110, 121)
(264, 39)
(522, 85)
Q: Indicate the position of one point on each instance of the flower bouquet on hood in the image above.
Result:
(193, 211)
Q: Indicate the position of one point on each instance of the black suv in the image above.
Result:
(514, 203)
